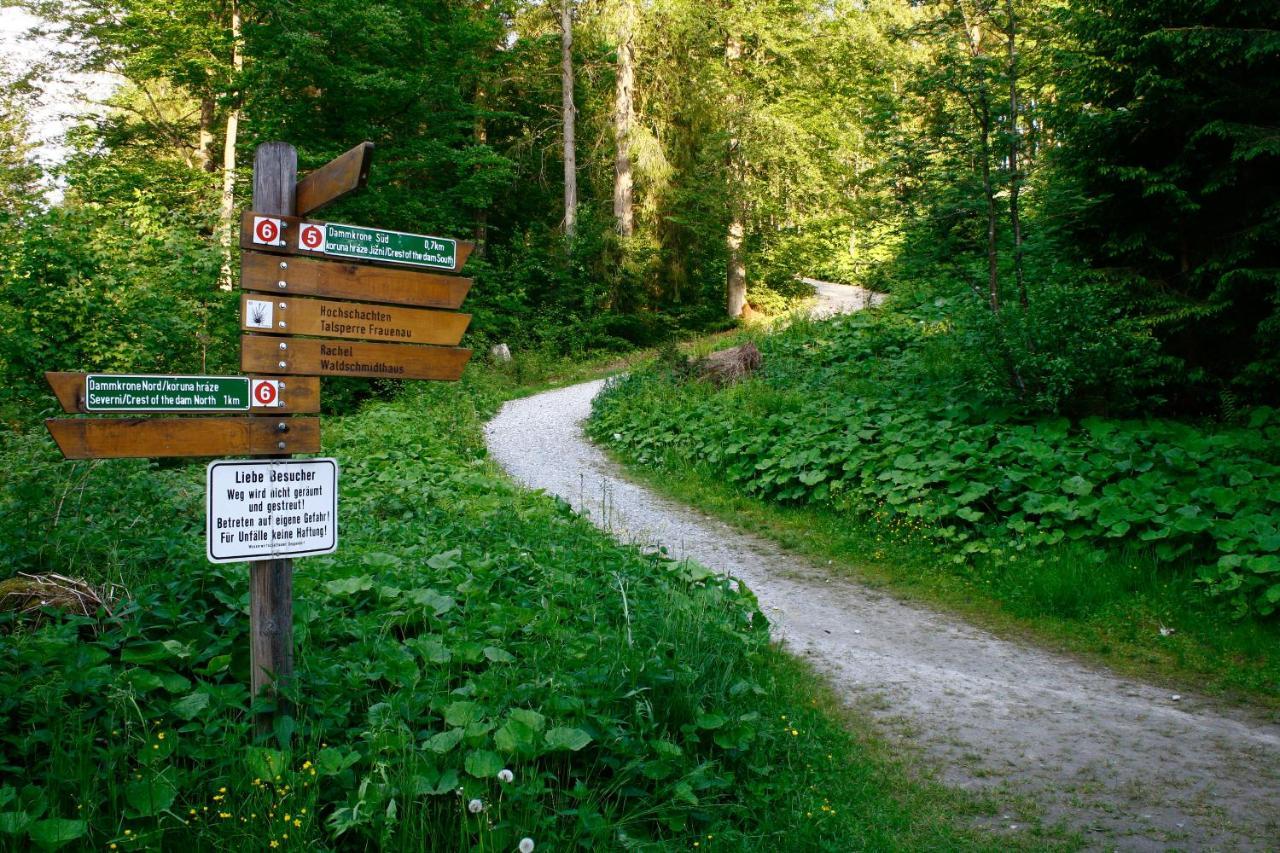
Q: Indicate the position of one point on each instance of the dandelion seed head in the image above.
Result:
(526, 845)
(505, 775)
(475, 806)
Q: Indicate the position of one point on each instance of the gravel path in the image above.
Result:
(1128, 765)
(841, 298)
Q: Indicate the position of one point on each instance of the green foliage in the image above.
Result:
(838, 421)
(126, 288)
(464, 628)
(1167, 128)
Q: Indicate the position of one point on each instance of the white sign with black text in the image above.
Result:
(270, 509)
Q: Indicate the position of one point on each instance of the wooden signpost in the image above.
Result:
(85, 393)
(153, 438)
(353, 358)
(307, 277)
(328, 319)
(373, 317)
(265, 231)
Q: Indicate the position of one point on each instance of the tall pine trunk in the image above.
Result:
(736, 273)
(566, 92)
(208, 114)
(983, 114)
(481, 133)
(623, 114)
(227, 209)
(1015, 217)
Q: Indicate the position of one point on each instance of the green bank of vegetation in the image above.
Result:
(1150, 541)
(464, 629)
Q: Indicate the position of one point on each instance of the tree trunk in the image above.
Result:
(993, 265)
(227, 210)
(623, 113)
(1014, 178)
(481, 223)
(208, 114)
(566, 91)
(736, 274)
(974, 29)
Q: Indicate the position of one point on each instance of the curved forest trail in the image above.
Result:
(1123, 762)
(1128, 765)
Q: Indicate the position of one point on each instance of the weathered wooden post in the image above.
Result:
(275, 178)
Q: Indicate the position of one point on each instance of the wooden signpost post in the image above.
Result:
(374, 314)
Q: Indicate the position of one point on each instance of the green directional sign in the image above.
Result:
(114, 392)
(377, 244)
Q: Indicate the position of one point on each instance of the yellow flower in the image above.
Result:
(160, 736)
(297, 824)
(287, 818)
(304, 811)
(113, 845)
(794, 733)
(155, 746)
(275, 843)
(222, 790)
(224, 815)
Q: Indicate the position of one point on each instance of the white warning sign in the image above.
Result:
(269, 509)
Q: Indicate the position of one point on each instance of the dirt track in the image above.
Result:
(1128, 765)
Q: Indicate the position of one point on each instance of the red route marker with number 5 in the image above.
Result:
(311, 237)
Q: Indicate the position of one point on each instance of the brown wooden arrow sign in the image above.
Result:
(153, 438)
(340, 176)
(291, 235)
(285, 395)
(306, 357)
(328, 319)
(300, 276)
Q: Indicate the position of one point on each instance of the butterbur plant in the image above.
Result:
(819, 428)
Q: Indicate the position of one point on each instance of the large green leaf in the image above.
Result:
(149, 797)
(53, 832)
(566, 738)
(483, 764)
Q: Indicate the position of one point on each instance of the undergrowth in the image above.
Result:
(856, 421)
(475, 665)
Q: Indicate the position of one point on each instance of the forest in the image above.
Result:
(1071, 208)
(1086, 198)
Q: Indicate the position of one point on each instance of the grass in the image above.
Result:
(463, 627)
(1110, 612)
